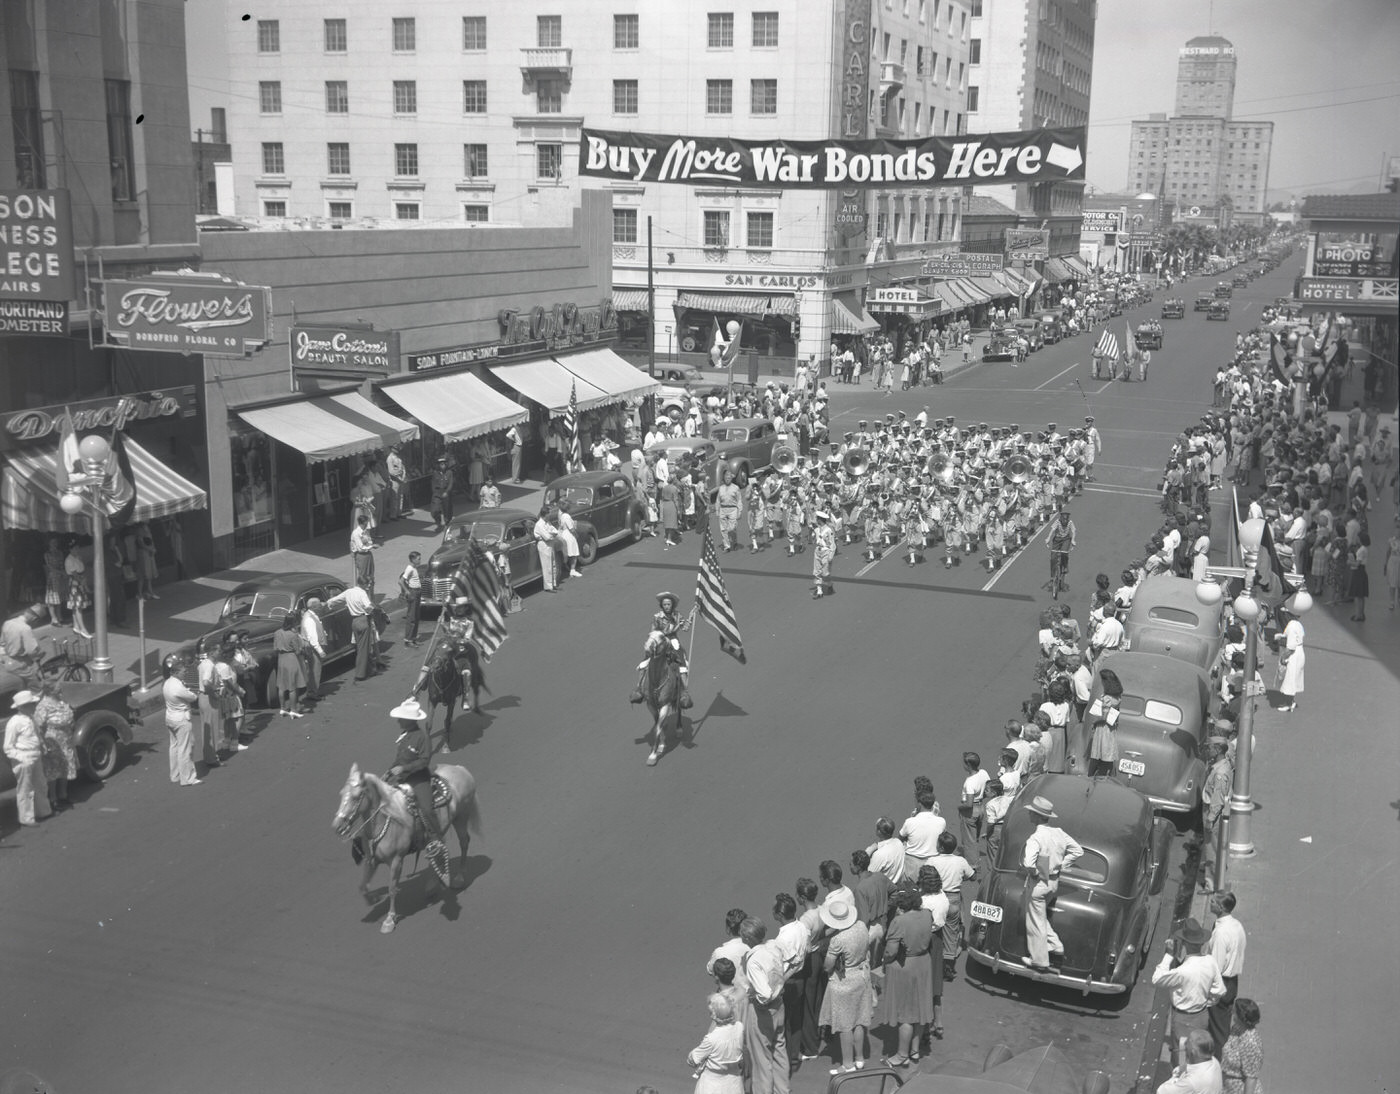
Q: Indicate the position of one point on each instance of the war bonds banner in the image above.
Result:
(1036, 155)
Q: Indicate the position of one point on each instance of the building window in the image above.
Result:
(474, 33)
(626, 32)
(765, 30)
(27, 122)
(406, 161)
(337, 158)
(269, 36)
(918, 60)
(549, 96)
(406, 210)
(716, 228)
(973, 94)
(274, 208)
(272, 162)
(340, 210)
(974, 52)
(624, 96)
(477, 164)
(976, 8)
(473, 96)
(763, 96)
(269, 96)
(897, 218)
(476, 214)
(405, 96)
(405, 35)
(928, 225)
(334, 35)
(624, 225)
(337, 97)
(119, 140)
(719, 96)
(882, 225)
(721, 30)
(760, 231)
(549, 161)
(549, 31)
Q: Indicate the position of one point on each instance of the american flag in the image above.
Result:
(478, 580)
(712, 598)
(1130, 346)
(571, 429)
(1108, 345)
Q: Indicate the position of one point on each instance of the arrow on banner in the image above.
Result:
(1060, 156)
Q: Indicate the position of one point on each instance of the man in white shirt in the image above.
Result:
(887, 852)
(361, 608)
(1195, 983)
(1081, 679)
(994, 818)
(1049, 850)
(313, 633)
(765, 1025)
(395, 504)
(920, 834)
(1200, 1074)
(732, 947)
(970, 809)
(1108, 636)
(1227, 945)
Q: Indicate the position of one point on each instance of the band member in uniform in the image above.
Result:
(823, 551)
(730, 501)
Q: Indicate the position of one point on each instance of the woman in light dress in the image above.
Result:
(1292, 659)
(849, 1003)
(718, 1060)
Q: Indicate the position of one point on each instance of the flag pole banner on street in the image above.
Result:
(1033, 155)
(712, 598)
(478, 580)
(571, 430)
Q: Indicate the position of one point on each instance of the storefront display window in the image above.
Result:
(251, 453)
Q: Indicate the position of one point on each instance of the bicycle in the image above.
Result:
(1059, 568)
(67, 663)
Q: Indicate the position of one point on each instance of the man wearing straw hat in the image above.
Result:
(1195, 982)
(413, 753)
(1049, 850)
(24, 750)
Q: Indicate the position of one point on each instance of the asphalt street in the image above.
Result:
(211, 938)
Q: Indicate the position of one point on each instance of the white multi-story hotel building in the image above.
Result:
(470, 113)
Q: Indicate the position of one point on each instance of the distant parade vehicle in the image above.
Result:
(1219, 309)
(1029, 329)
(605, 507)
(1109, 900)
(1174, 308)
(1001, 346)
(511, 531)
(1223, 290)
(1052, 326)
(1149, 335)
(1203, 302)
(745, 446)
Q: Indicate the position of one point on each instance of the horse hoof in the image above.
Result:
(651, 760)
(387, 927)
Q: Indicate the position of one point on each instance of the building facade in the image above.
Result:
(1200, 158)
(1031, 66)
(430, 115)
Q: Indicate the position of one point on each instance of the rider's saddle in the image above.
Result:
(441, 796)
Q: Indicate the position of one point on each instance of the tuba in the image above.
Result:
(857, 461)
(940, 466)
(1017, 469)
(784, 459)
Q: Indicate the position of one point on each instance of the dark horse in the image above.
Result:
(455, 662)
(662, 688)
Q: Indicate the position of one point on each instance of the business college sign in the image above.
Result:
(36, 246)
(1035, 155)
(962, 265)
(34, 317)
(187, 312)
(40, 423)
(1027, 244)
(343, 349)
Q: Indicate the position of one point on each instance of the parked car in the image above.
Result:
(1174, 308)
(102, 717)
(1052, 327)
(1115, 303)
(509, 530)
(692, 451)
(1162, 720)
(256, 609)
(1203, 302)
(1001, 346)
(673, 373)
(1029, 329)
(1109, 900)
(604, 506)
(1223, 290)
(1240, 281)
(1219, 309)
(1148, 335)
(1167, 618)
(745, 445)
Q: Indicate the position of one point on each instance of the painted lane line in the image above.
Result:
(893, 549)
(1007, 564)
(1057, 375)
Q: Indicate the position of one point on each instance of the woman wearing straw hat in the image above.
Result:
(849, 1003)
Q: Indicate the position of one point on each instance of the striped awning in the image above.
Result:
(1025, 279)
(1078, 265)
(330, 427)
(991, 287)
(968, 287)
(1057, 269)
(549, 384)
(951, 299)
(29, 491)
(608, 372)
(459, 406)
(629, 299)
(848, 317)
(726, 303)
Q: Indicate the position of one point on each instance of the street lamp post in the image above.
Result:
(90, 487)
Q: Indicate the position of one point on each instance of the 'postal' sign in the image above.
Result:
(1035, 155)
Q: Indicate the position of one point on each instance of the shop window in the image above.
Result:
(251, 454)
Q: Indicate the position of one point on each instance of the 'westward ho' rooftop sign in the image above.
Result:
(1035, 155)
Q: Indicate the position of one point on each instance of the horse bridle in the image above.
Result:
(359, 800)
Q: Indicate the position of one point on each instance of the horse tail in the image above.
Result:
(473, 810)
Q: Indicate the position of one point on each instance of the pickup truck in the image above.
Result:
(1203, 302)
(1001, 346)
(1174, 308)
(102, 717)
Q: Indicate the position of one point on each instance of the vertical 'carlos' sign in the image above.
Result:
(1035, 155)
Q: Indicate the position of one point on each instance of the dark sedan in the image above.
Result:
(744, 445)
(1109, 900)
(508, 530)
(604, 506)
(1167, 618)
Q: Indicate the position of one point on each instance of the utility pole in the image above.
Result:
(651, 307)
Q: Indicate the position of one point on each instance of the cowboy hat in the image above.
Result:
(409, 711)
(838, 914)
(1192, 933)
(667, 596)
(1044, 806)
(23, 699)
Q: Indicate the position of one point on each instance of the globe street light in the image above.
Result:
(89, 488)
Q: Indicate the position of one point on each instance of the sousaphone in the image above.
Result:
(1017, 469)
(784, 459)
(940, 466)
(857, 461)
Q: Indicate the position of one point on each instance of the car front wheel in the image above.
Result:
(588, 549)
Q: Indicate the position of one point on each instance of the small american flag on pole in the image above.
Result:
(571, 429)
(712, 598)
(478, 580)
(1108, 345)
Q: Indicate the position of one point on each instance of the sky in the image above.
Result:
(1323, 71)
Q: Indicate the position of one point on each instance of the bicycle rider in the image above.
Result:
(1062, 540)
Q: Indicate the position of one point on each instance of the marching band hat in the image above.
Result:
(862, 424)
(981, 425)
(822, 514)
(1088, 417)
(1051, 427)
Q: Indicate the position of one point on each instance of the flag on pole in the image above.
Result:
(1107, 345)
(712, 598)
(118, 485)
(478, 580)
(69, 472)
(571, 429)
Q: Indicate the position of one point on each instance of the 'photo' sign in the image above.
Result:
(1036, 155)
(36, 245)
